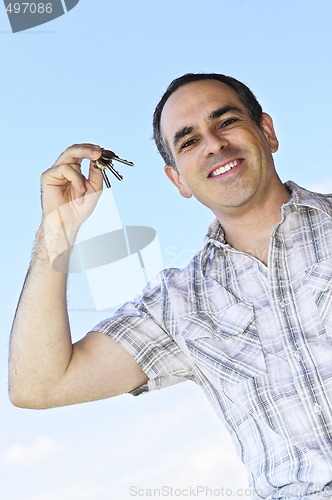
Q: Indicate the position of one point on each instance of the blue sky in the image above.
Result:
(95, 75)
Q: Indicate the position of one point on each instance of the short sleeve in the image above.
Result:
(149, 343)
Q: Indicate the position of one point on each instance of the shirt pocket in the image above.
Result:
(225, 347)
(319, 281)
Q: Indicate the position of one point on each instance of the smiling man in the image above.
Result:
(249, 319)
(223, 158)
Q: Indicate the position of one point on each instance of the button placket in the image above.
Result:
(317, 408)
(297, 355)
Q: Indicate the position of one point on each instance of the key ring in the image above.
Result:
(106, 162)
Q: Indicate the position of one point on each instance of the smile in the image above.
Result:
(225, 168)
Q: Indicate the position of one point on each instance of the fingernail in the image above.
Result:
(96, 151)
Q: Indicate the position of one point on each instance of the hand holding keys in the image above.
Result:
(106, 161)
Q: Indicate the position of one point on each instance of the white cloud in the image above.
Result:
(209, 462)
(18, 454)
(175, 446)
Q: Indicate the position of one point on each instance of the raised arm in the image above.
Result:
(45, 368)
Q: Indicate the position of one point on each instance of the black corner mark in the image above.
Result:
(70, 4)
(26, 15)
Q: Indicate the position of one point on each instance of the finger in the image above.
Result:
(95, 178)
(63, 174)
(77, 152)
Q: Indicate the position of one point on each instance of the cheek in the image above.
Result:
(185, 179)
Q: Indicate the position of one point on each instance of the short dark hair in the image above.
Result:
(244, 93)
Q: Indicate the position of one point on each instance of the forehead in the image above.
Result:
(193, 103)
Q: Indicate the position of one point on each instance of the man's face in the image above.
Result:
(222, 157)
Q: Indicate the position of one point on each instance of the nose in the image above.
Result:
(213, 143)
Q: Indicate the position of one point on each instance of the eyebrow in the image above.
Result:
(182, 133)
(217, 113)
(222, 111)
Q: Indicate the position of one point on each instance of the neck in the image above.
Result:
(248, 229)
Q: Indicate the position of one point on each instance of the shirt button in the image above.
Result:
(282, 305)
(317, 408)
(297, 355)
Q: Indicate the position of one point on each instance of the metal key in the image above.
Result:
(106, 161)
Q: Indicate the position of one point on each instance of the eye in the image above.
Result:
(227, 122)
(188, 143)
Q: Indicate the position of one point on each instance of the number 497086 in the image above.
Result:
(29, 8)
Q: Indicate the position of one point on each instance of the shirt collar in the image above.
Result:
(306, 198)
(215, 236)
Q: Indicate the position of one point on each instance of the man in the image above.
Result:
(249, 319)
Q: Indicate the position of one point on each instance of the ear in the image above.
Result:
(269, 133)
(175, 177)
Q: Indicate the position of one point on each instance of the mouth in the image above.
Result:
(224, 168)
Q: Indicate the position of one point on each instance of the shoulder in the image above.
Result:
(170, 285)
(174, 277)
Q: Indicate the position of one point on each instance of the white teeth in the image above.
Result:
(226, 168)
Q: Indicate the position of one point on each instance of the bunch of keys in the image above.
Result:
(106, 161)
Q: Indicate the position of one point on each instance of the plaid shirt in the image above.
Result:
(257, 339)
